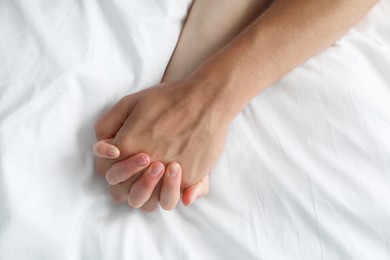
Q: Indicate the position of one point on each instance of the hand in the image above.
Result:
(168, 196)
(177, 122)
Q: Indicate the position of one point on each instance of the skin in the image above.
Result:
(130, 170)
(187, 120)
(187, 56)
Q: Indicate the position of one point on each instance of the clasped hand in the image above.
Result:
(159, 143)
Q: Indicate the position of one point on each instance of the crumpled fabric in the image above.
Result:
(305, 173)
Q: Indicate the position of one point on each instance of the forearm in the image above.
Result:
(283, 37)
(210, 25)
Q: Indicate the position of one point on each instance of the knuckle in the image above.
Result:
(125, 143)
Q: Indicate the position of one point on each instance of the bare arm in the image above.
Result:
(187, 120)
(210, 25)
(283, 37)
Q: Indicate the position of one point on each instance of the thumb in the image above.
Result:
(104, 149)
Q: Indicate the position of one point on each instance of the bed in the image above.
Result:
(305, 173)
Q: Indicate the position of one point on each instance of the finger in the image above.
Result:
(196, 191)
(104, 149)
(123, 170)
(102, 166)
(120, 192)
(152, 202)
(142, 189)
(110, 123)
(170, 190)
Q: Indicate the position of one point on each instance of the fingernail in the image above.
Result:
(173, 169)
(156, 170)
(113, 152)
(141, 160)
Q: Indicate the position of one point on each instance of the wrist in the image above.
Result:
(219, 90)
(210, 96)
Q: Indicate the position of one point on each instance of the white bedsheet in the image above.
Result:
(305, 173)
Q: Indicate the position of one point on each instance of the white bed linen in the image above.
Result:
(305, 173)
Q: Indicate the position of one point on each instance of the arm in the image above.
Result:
(187, 120)
(210, 26)
(197, 42)
(283, 37)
